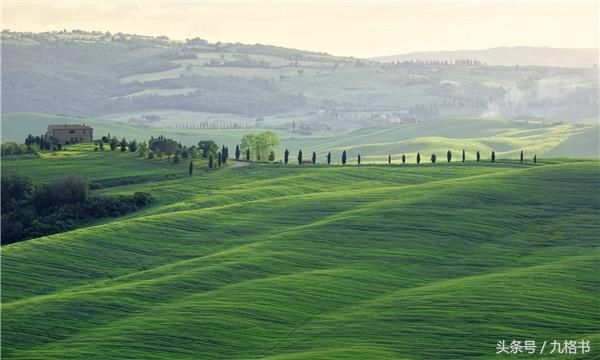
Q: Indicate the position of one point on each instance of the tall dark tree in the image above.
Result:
(493, 156)
(113, 143)
(248, 155)
(29, 140)
(133, 145)
(449, 155)
(344, 158)
(418, 158)
(210, 161)
(219, 162)
(123, 145)
(328, 158)
(403, 159)
(521, 158)
(286, 156)
(535, 159)
(358, 159)
(223, 154)
(478, 156)
(389, 159)
(237, 152)
(185, 152)
(191, 168)
(433, 158)
(300, 157)
(314, 158)
(463, 155)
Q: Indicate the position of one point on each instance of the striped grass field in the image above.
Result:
(314, 262)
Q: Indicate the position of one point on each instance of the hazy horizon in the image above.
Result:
(338, 28)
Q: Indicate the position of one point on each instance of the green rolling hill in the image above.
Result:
(504, 136)
(301, 262)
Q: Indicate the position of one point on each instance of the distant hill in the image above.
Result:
(507, 56)
(231, 85)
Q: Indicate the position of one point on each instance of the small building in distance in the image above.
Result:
(69, 134)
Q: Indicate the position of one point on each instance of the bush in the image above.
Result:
(142, 199)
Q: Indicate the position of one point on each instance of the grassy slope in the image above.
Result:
(286, 262)
(98, 166)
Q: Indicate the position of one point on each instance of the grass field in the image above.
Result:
(99, 166)
(302, 262)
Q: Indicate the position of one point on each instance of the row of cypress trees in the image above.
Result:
(286, 156)
(223, 155)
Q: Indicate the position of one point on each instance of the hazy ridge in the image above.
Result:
(509, 56)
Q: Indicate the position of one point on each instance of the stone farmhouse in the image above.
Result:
(69, 134)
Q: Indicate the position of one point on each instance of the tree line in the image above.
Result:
(161, 146)
(31, 210)
(403, 159)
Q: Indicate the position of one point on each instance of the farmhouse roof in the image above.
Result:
(68, 127)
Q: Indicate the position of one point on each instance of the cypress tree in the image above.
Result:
(478, 156)
(433, 158)
(123, 145)
(463, 155)
(113, 143)
(191, 168)
(449, 155)
(219, 159)
(535, 159)
(403, 159)
(344, 158)
(328, 158)
(286, 156)
(210, 161)
(521, 156)
(389, 159)
(314, 158)
(358, 159)
(237, 152)
(493, 156)
(247, 154)
(418, 158)
(300, 157)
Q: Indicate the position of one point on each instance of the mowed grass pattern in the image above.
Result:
(302, 262)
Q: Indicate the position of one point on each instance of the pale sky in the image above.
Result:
(357, 28)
